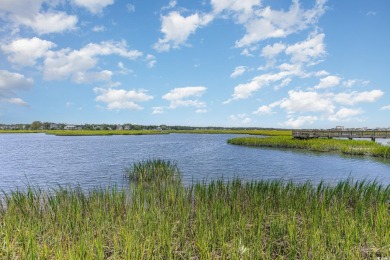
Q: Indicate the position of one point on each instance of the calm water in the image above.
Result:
(98, 161)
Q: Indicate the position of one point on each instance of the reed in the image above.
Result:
(349, 147)
(217, 220)
(153, 170)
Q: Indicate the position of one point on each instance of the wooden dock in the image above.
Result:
(310, 134)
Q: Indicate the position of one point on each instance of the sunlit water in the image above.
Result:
(47, 161)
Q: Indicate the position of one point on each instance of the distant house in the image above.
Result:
(70, 127)
(340, 127)
(119, 127)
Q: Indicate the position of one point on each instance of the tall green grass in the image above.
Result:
(350, 147)
(217, 220)
(153, 170)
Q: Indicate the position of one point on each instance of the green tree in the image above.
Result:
(36, 125)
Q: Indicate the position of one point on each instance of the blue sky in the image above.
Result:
(255, 63)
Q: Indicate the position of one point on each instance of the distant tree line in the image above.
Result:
(38, 125)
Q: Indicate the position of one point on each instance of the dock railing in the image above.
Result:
(350, 134)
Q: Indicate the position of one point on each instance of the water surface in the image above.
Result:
(99, 161)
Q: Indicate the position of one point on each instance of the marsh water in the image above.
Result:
(47, 161)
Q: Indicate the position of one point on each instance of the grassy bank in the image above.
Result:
(350, 147)
(161, 219)
(150, 132)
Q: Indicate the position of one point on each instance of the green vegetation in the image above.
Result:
(152, 132)
(153, 170)
(101, 132)
(236, 131)
(350, 147)
(228, 220)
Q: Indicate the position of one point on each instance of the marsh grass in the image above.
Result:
(215, 220)
(350, 147)
(153, 170)
(151, 132)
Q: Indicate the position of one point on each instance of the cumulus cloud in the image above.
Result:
(309, 50)
(187, 97)
(310, 101)
(25, 52)
(10, 83)
(300, 121)
(118, 99)
(94, 6)
(328, 82)
(245, 90)
(238, 71)
(30, 14)
(345, 114)
(77, 64)
(177, 28)
(355, 97)
(49, 22)
(267, 109)
(241, 10)
(270, 23)
(270, 51)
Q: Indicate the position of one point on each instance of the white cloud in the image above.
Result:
(311, 101)
(300, 121)
(349, 83)
(77, 64)
(309, 50)
(21, 7)
(238, 71)
(117, 99)
(151, 60)
(157, 110)
(355, 97)
(267, 109)
(94, 6)
(88, 77)
(123, 69)
(187, 96)
(241, 118)
(201, 111)
(25, 52)
(245, 90)
(241, 10)
(10, 83)
(177, 28)
(263, 110)
(270, 23)
(15, 101)
(171, 4)
(283, 84)
(50, 22)
(345, 114)
(270, 51)
(385, 107)
(29, 14)
(328, 82)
